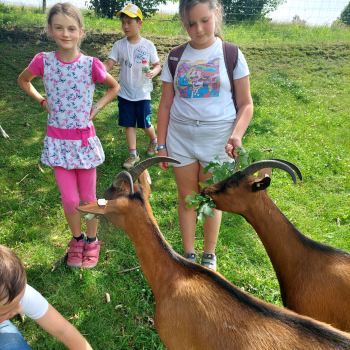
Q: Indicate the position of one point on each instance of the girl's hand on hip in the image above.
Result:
(232, 143)
(163, 153)
(47, 107)
(93, 113)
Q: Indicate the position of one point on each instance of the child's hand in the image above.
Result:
(93, 113)
(47, 107)
(150, 74)
(163, 153)
(232, 143)
(229, 149)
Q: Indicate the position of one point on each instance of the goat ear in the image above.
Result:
(145, 182)
(261, 184)
(263, 172)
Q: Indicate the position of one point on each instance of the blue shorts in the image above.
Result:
(11, 338)
(135, 112)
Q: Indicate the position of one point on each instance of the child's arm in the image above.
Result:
(24, 81)
(163, 117)
(112, 92)
(55, 324)
(156, 69)
(244, 114)
(109, 64)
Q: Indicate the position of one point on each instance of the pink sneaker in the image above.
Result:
(90, 255)
(75, 253)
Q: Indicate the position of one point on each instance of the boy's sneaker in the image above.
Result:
(75, 252)
(209, 261)
(91, 253)
(191, 257)
(130, 162)
(152, 148)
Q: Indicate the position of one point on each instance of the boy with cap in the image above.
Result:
(134, 104)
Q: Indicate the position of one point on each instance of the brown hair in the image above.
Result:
(12, 275)
(185, 6)
(68, 10)
(122, 15)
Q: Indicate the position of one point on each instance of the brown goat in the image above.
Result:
(197, 308)
(314, 278)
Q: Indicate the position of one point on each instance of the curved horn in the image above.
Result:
(293, 166)
(120, 178)
(254, 167)
(141, 167)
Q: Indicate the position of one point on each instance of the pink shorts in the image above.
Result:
(76, 185)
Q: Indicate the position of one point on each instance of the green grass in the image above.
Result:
(301, 97)
(260, 32)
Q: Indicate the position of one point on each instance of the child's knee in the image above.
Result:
(87, 199)
(69, 206)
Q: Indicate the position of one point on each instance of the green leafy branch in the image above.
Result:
(220, 170)
(204, 205)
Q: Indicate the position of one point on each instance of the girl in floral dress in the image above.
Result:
(71, 146)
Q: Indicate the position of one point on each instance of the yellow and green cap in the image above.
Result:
(132, 11)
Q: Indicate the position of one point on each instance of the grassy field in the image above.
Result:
(261, 32)
(301, 96)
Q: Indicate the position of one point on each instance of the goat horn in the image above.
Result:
(293, 166)
(254, 167)
(141, 167)
(120, 178)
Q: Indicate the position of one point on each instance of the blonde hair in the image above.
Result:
(185, 6)
(68, 10)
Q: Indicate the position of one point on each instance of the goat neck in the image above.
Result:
(234, 195)
(134, 215)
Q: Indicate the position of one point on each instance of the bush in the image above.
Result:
(109, 8)
(345, 15)
(248, 10)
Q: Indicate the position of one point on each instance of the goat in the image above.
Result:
(197, 308)
(314, 278)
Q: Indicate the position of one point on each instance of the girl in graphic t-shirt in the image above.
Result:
(197, 118)
(71, 146)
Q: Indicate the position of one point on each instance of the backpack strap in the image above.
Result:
(231, 58)
(174, 58)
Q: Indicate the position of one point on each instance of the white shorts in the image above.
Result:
(191, 141)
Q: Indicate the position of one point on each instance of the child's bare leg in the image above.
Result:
(150, 132)
(130, 133)
(187, 181)
(91, 228)
(74, 223)
(211, 225)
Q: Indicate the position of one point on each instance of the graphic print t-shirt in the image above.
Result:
(130, 58)
(202, 86)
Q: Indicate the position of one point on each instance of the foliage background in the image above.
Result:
(300, 87)
(109, 8)
(248, 10)
(345, 15)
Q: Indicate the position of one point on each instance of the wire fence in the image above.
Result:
(308, 12)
